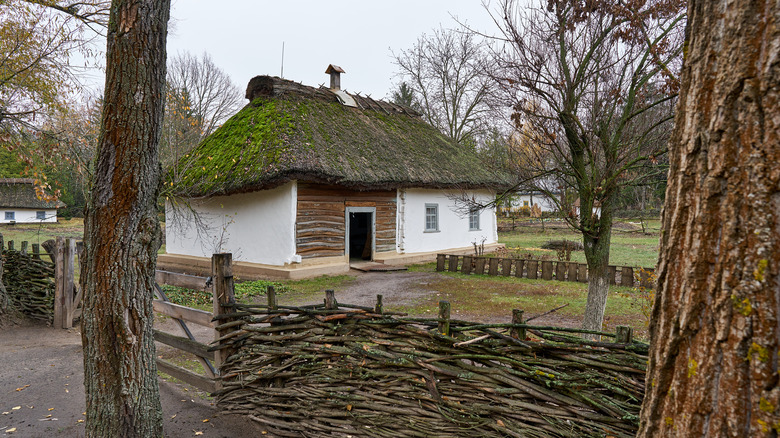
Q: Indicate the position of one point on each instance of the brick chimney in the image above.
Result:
(335, 76)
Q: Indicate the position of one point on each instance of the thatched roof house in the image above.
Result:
(291, 132)
(300, 169)
(19, 203)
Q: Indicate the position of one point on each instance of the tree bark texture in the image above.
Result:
(713, 367)
(122, 233)
(596, 248)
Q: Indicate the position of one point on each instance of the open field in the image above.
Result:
(39, 233)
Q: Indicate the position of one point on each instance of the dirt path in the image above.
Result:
(399, 288)
(42, 392)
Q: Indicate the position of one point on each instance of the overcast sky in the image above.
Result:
(244, 37)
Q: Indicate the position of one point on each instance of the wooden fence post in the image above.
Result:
(560, 271)
(63, 283)
(480, 266)
(506, 267)
(378, 307)
(573, 268)
(23, 248)
(519, 268)
(547, 270)
(36, 251)
(224, 293)
(493, 267)
(627, 276)
(533, 269)
(466, 267)
(440, 259)
(624, 334)
(270, 294)
(517, 318)
(330, 300)
(444, 318)
(582, 273)
(612, 272)
(453, 266)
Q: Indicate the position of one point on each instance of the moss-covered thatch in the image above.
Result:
(20, 193)
(290, 131)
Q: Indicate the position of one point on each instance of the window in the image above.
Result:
(431, 217)
(9, 216)
(474, 220)
(525, 203)
(40, 215)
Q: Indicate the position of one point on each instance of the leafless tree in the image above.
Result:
(446, 72)
(200, 97)
(591, 85)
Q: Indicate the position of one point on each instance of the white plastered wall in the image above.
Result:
(257, 227)
(453, 223)
(23, 216)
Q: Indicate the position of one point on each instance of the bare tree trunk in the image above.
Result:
(596, 248)
(713, 367)
(4, 298)
(121, 230)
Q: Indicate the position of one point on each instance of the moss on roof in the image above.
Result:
(297, 132)
(20, 193)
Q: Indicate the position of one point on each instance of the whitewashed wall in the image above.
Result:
(544, 203)
(453, 224)
(23, 216)
(256, 227)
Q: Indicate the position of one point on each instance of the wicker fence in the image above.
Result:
(541, 269)
(334, 370)
(29, 279)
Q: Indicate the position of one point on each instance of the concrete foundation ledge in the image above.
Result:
(248, 271)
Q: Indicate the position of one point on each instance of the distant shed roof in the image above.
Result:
(291, 131)
(20, 193)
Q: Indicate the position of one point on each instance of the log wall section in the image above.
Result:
(321, 223)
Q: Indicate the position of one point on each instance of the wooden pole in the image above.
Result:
(36, 251)
(271, 295)
(453, 266)
(330, 300)
(624, 334)
(23, 248)
(378, 307)
(444, 318)
(59, 282)
(517, 318)
(224, 293)
(68, 259)
(440, 259)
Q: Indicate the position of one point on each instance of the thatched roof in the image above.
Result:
(291, 131)
(20, 193)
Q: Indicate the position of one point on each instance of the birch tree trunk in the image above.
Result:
(121, 230)
(713, 367)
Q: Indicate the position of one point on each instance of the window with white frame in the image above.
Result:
(10, 216)
(474, 220)
(40, 215)
(431, 217)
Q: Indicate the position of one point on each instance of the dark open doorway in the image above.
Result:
(360, 235)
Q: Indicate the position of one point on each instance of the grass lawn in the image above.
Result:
(39, 233)
(486, 298)
(629, 246)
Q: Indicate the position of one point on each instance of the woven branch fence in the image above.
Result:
(29, 280)
(335, 370)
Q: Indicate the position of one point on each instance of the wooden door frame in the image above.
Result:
(347, 211)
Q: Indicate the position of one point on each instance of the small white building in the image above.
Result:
(304, 180)
(20, 204)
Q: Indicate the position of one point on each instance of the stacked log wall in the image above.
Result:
(321, 220)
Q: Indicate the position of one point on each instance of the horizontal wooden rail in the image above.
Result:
(182, 280)
(184, 344)
(197, 316)
(201, 382)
